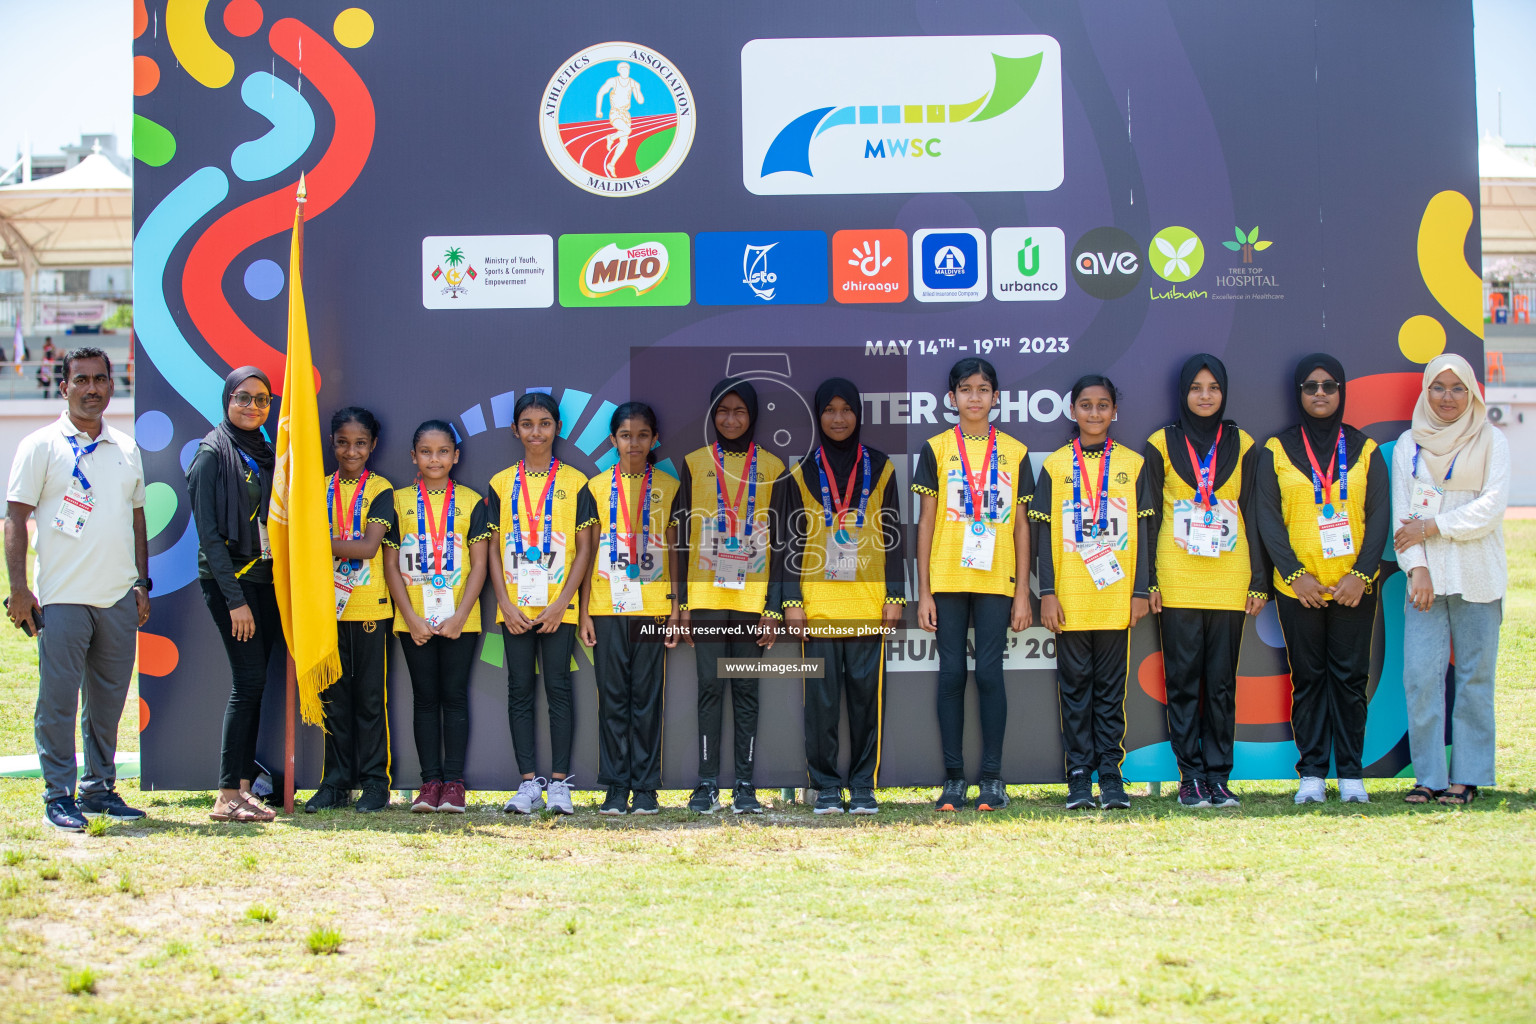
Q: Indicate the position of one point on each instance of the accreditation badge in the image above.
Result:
(1333, 527)
(532, 583)
(1103, 567)
(842, 556)
(626, 595)
(436, 600)
(1425, 501)
(733, 559)
(1205, 533)
(343, 584)
(74, 509)
(265, 538)
(977, 545)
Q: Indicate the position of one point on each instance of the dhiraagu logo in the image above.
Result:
(1176, 254)
(901, 114)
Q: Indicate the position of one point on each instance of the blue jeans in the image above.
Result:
(1427, 640)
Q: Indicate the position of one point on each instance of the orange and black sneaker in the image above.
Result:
(993, 795)
(953, 796)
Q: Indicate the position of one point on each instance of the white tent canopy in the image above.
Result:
(1507, 188)
(79, 217)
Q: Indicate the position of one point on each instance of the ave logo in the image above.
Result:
(1106, 263)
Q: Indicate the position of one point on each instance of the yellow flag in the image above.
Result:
(299, 529)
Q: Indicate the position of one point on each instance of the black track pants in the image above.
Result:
(744, 696)
(440, 693)
(855, 668)
(1200, 651)
(356, 725)
(1091, 670)
(989, 614)
(631, 694)
(1330, 653)
(553, 652)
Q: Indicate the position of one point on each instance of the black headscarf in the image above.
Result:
(748, 394)
(1323, 434)
(228, 441)
(1200, 431)
(840, 454)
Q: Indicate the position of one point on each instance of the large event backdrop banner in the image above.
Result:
(614, 200)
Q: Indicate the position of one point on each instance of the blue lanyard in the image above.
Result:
(332, 495)
(1101, 527)
(965, 465)
(549, 508)
(721, 526)
(444, 568)
(1449, 469)
(255, 471)
(826, 494)
(1205, 476)
(1317, 479)
(81, 453)
(633, 570)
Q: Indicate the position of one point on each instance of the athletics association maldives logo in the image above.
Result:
(901, 114)
(617, 119)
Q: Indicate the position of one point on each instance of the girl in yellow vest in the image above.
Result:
(627, 602)
(436, 567)
(1207, 574)
(839, 579)
(973, 569)
(1325, 512)
(361, 507)
(724, 538)
(1091, 510)
(542, 513)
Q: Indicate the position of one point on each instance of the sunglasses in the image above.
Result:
(245, 398)
(1327, 387)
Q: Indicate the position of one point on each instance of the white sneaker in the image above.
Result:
(1352, 791)
(560, 796)
(1312, 790)
(528, 798)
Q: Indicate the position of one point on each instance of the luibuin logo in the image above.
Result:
(1177, 254)
(791, 148)
(1247, 244)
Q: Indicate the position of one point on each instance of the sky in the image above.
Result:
(66, 66)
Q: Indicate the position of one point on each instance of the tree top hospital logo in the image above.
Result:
(901, 114)
(617, 119)
(1106, 263)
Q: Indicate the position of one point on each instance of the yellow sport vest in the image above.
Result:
(945, 574)
(1084, 605)
(370, 592)
(414, 563)
(568, 484)
(1299, 509)
(703, 527)
(655, 567)
(1194, 581)
(861, 599)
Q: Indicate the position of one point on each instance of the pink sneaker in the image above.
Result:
(452, 801)
(428, 797)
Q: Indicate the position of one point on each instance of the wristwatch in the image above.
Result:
(146, 583)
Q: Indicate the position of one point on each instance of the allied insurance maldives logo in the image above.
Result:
(901, 114)
(617, 119)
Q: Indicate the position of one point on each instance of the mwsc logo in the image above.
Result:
(901, 114)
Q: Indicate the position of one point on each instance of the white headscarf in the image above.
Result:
(1459, 446)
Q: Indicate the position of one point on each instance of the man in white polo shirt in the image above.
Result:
(86, 482)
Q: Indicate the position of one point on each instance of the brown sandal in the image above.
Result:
(236, 810)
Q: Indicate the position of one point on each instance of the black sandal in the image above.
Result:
(1461, 799)
(1424, 794)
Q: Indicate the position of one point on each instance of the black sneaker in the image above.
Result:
(705, 799)
(1079, 790)
(374, 799)
(1112, 796)
(616, 801)
(325, 799)
(1221, 796)
(1193, 794)
(645, 802)
(94, 805)
(64, 815)
(744, 800)
(829, 801)
(862, 801)
(952, 798)
(993, 795)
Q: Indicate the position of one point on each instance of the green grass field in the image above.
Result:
(1380, 913)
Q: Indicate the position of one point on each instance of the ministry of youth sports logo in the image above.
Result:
(617, 119)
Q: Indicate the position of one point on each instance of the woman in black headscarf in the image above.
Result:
(724, 536)
(1209, 570)
(229, 485)
(1325, 512)
(840, 565)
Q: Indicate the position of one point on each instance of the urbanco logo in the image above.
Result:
(1029, 264)
(1176, 254)
(901, 114)
(624, 270)
(1106, 263)
(617, 119)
